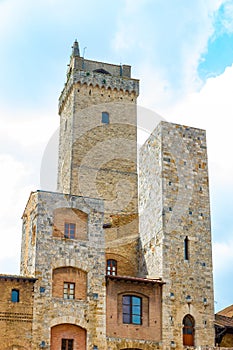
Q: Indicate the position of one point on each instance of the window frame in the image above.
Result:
(69, 289)
(111, 270)
(67, 344)
(105, 117)
(70, 232)
(15, 295)
(128, 316)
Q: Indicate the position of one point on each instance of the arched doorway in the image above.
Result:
(188, 330)
(68, 337)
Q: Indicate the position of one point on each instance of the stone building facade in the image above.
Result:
(117, 263)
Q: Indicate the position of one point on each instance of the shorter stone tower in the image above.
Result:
(69, 265)
(175, 231)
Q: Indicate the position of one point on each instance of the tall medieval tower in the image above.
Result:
(106, 277)
(98, 145)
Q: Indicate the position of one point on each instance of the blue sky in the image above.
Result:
(182, 52)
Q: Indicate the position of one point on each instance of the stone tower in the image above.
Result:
(175, 231)
(98, 145)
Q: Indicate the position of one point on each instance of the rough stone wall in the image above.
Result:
(16, 317)
(150, 207)
(150, 329)
(86, 255)
(28, 242)
(65, 146)
(133, 344)
(184, 211)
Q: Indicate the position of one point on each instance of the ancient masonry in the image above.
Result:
(108, 261)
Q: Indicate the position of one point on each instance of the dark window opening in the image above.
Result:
(69, 231)
(132, 309)
(111, 267)
(101, 70)
(67, 344)
(68, 290)
(105, 117)
(186, 248)
(15, 295)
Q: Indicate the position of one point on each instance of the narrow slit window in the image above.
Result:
(105, 117)
(186, 248)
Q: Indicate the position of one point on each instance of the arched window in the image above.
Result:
(132, 309)
(188, 330)
(105, 117)
(111, 267)
(15, 295)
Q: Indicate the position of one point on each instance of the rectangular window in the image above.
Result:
(15, 295)
(69, 231)
(67, 344)
(105, 118)
(111, 267)
(132, 309)
(68, 290)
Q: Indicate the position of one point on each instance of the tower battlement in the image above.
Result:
(102, 75)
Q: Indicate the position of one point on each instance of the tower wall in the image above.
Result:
(175, 228)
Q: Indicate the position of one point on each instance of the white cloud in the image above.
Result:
(168, 42)
(212, 109)
(22, 143)
(14, 191)
(30, 129)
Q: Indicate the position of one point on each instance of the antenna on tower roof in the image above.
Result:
(84, 51)
(75, 48)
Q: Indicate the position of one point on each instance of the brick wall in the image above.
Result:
(68, 331)
(16, 317)
(69, 215)
(72, 275)
(150, 329)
